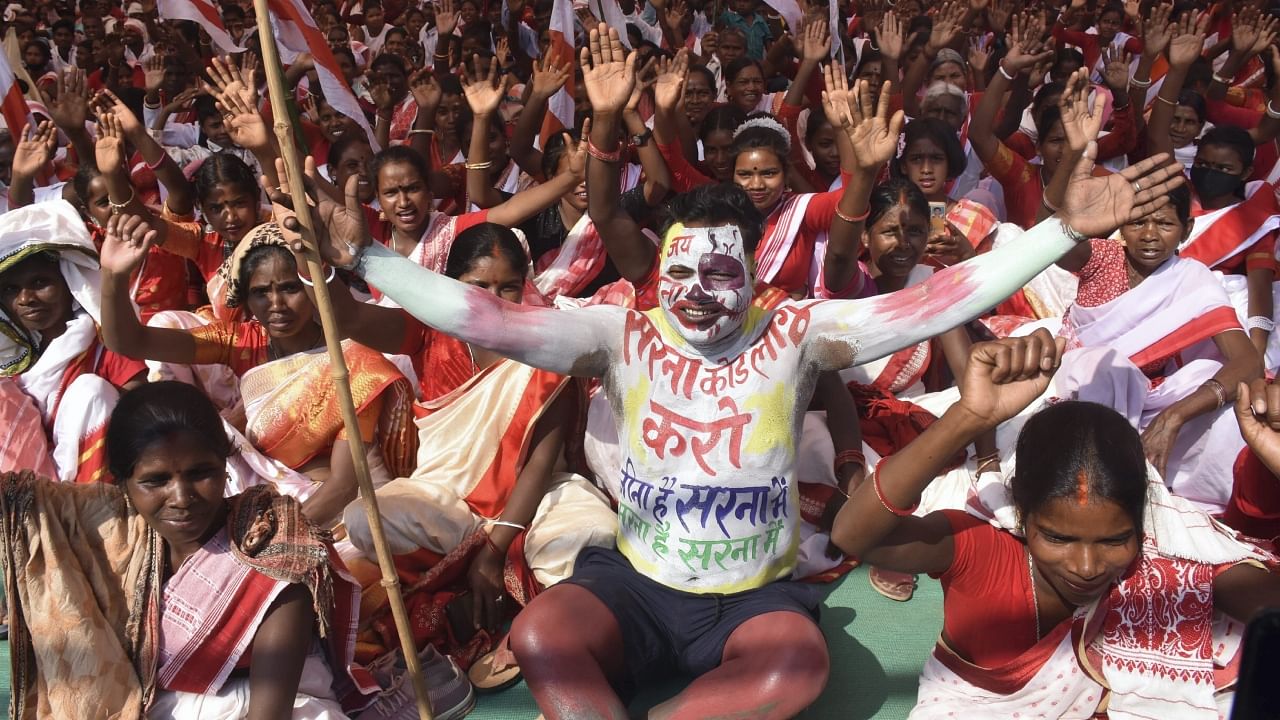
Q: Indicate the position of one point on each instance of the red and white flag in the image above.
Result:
(205, 14)
(298, 32)
(560, 106)
(12, 104)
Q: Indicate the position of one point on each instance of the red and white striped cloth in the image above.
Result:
(560, 106)
(206, 15)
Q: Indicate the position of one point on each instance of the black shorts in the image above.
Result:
(665, 629)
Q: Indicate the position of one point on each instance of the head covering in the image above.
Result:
(264, 234)
(136, 24)
(947, 55)
(134, 9)
(49, 227)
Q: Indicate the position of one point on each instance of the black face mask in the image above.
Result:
(1210, 183)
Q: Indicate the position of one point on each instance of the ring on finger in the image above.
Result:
(1137, 187)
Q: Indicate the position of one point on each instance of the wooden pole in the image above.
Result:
(333, 341)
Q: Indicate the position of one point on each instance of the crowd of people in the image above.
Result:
(658, 317)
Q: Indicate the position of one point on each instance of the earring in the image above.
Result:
(382, 217)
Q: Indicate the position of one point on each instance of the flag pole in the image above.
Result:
(333, 341)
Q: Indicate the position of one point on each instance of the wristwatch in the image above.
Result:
(641, 139)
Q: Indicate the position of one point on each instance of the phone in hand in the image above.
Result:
(1257, 689)
(937, 220)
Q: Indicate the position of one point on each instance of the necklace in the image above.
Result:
(1035, 599)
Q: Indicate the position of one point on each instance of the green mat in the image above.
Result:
(877, 649)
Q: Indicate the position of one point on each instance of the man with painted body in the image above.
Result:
(708, 391)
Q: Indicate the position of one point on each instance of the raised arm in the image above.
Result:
(69, 110)
(657, 176)
(484, 95)
(567, 341)
(1000, 379)
(181, 200)
(609, 74)
(844, 332)
(1156, 34)
(35, 150)
(1025, 50)
(549, 75)
(1188, 39)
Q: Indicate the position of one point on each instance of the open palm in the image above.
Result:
(608, 70)
(484, 92)
(874, 136)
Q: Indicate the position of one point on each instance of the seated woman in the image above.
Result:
(496, 441)
(58, 379)
(1072, 590)
(188, 604)
(1180, 345)
(291, 409)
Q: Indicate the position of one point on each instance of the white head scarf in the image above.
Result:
(53, 227)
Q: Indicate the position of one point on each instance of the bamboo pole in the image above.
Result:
(333, 341)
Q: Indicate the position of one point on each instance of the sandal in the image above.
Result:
(893, 585)
(496, 670)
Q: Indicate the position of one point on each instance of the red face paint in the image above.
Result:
(1082, 488)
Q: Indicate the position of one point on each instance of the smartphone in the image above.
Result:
(1257, 692)
(937, 217)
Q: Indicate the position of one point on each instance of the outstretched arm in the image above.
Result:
(842, 332)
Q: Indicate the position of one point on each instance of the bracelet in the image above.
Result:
(853, 220)
(1075, 235)
(1143, 84)
(488, 540)
(1167, 101)
(1260, 322)
(1218, 79)
(875, 482)
(420, 131)
(117, 208)
(478, 166)
(1218, 391)
(1044, 200)
(307, 281)
(1005, 73)
(602, 156)
(988, 458)
(1272, 112)
(504, 523)
(357, 258)
(849, 457)
(986, 465)
(156, 165)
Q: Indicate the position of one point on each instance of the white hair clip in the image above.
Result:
(767, 123)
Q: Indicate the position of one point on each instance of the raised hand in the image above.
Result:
(126, 244)
(69, 110)
(1095, 206)
(35, 149)
(946, 25)
(153, 73)
(676, 14)
(645, 78)
(380, 94)
(549, 75)
(1003, 377)
(425, 89)
(815, 41)
(890, 36)
(1026, 48)
(484, 90)
(502, 52)
(979, 54)
(998, 15)
(244, 123)
(109, 148)
(1188, 39)
(577, 151)
(1258, 413)
(873, 134)
(1115, 69)
(228, 79)
(341, 233)
(835, 96)
(608, 70)
(670, 83)
(446, 17)
(1157, 32)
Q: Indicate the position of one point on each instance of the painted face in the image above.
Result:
(35, 294)
(760, 172)
(231, 211)
(277, 299)
(704, 287)
(925, 164)
(1150, 241)
(177, 487)
(1080, 546)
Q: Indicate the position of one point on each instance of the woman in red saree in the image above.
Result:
(59, 382)
(292, 413)
(189, 604)
(1080, 587)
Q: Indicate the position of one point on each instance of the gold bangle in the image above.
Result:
(420, 131)
(1167, 101)
(117, 208)
(478, 166)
